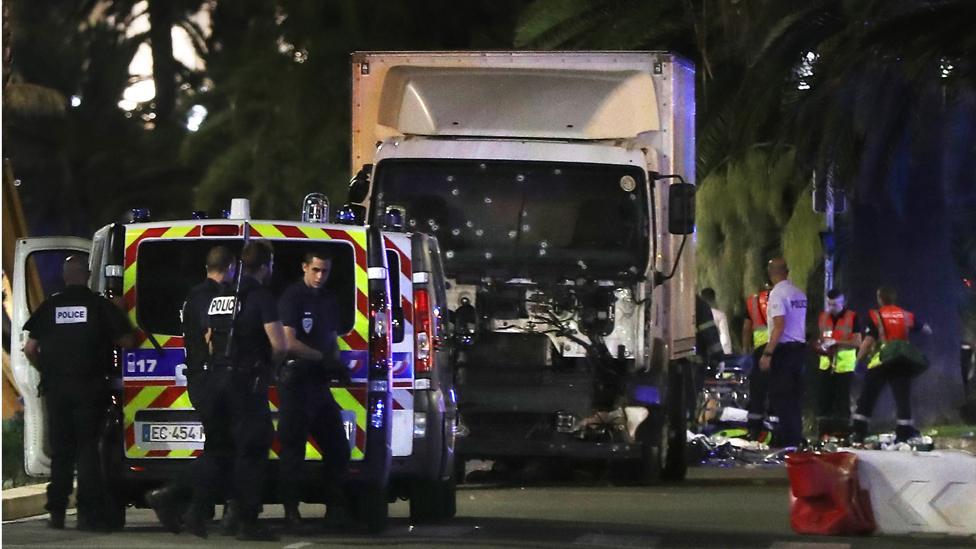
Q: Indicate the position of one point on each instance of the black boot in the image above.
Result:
(255, 531)
(90, 522)
(230, 523)
(195, 521)
(905, 432)
(859, 430)
(164, 503)
(337, 518)
(56, 520)
(293, 519)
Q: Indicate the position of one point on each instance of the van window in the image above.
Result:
(167, 269)
(44, 274)
(396, 302)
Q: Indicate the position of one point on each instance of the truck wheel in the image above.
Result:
(674, 436)
(651, 434)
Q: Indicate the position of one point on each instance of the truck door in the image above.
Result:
(37, 275)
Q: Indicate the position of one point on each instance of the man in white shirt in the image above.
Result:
(785, 354)
(721, 321)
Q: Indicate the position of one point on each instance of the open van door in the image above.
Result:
(37, 275)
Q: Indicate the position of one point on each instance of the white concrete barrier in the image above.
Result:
(912, 492)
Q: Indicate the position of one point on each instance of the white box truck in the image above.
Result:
(559, 186)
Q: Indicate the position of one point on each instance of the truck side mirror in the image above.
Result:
(681, 208)
(359, 185)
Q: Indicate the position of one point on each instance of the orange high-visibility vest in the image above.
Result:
(756, 307)
(844, 360)
(893, 324)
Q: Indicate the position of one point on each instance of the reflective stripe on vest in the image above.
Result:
(760, 337)
(844, 361)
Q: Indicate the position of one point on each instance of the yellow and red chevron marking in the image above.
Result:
(142, 397)
(357, 338)
(348, 398)
(156, 395)
(169, 397)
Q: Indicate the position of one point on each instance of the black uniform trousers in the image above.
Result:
(786, 392)
(758, 405)
(309, 408)
(75, 421)
(833, 401)
(219, 441)
(235, 404)
(896, 373)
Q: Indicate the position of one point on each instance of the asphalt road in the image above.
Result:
(714, 509)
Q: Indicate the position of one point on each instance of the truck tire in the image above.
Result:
(675, 437)
(654, 446)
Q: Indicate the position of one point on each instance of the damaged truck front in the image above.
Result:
(556, 183)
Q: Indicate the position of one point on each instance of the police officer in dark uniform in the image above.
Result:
(245, 341)
(310, 316)
(166, 501)
(71, 341)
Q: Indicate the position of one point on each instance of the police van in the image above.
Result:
(399, 409)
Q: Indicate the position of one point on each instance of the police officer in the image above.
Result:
(755, 334)
(245, 339)
(71, 341)
(889, 325)
(310, 316)
(785, 354)
(840, 337)
(166, 501)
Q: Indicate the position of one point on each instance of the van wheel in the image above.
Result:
(433, 500)
(372, 508)
(652, 435)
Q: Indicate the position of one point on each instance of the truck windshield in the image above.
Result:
(510, 219)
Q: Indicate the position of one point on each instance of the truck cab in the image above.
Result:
(556, 184)
(398, 409)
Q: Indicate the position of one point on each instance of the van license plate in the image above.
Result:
(172, 432)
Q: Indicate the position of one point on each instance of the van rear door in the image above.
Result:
(37, 275)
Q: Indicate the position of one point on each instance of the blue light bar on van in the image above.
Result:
(139, 215)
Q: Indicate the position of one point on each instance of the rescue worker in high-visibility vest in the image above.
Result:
(755, 332)
(755, 335)
(840, 338)
(888, 325)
